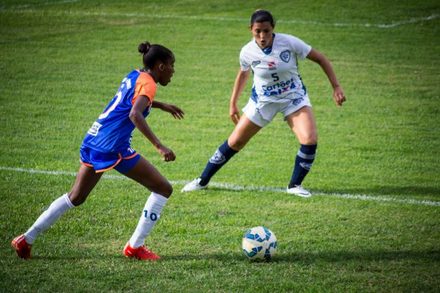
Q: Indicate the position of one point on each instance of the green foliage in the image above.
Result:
(62, 61)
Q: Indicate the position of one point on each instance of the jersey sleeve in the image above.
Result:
(299, 47)
(244, 63)
(145, 86)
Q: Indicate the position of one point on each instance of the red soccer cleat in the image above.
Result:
(22, 248)
(141, 253)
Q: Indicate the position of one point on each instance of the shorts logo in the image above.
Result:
(94, 129)
(297, 101)
(218, 158)
(285, 56)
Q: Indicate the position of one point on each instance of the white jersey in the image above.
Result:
(276, 77)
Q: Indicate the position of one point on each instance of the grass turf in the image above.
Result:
(62, 61)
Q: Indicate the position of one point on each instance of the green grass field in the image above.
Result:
(374, 222)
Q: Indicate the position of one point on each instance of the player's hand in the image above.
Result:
(166, 153)
(338, 96)
(234, 113)
(173, 110)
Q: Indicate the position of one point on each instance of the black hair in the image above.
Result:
(262, 16)
(153, 53)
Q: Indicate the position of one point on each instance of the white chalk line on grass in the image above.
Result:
(393, 24)
(47, 3)
(233, 187)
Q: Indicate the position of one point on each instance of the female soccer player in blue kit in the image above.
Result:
(277, 87)
(107, 146)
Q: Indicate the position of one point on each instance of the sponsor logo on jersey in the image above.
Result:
(272, 65)
(256, 63)
(94, 129)
(285, 56)
(278, 88)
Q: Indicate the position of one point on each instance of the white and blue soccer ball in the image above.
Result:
(259, 243)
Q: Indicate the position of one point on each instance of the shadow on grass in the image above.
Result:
(299, 257)
(371, 190)
(390, 190)
(342, 256)
(312, 257)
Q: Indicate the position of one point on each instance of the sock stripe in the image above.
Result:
(305, 156)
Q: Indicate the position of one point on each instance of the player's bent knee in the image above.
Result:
(309, 139)
(237, 145)
(168, 190)
(164, 188)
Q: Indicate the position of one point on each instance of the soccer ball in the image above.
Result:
(259, 243)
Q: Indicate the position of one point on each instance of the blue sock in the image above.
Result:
(303, 163)
(220, 157)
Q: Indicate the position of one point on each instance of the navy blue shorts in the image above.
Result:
(121, 161)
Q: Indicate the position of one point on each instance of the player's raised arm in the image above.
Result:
(172, 109)
(338, 93)
(136, 116)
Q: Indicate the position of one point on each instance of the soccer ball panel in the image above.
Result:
(259, 243)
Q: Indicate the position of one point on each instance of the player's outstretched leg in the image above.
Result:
(85, 181)
(240, 136)
(22, 244)
(218, 160)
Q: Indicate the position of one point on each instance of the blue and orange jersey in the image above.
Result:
(113, 129)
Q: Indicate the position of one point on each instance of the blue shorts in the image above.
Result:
(121, 161)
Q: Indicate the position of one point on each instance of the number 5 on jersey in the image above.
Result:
(125, 85)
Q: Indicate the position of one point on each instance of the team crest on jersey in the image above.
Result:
(285, 56)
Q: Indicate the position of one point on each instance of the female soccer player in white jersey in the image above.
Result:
(107, 146)
(277, 87)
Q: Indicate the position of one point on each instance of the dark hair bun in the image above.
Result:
(144, 47)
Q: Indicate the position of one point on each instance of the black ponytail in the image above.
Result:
(153, 53)
(144, 47)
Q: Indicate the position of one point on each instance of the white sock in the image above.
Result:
(150, 215)
(48, 217)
